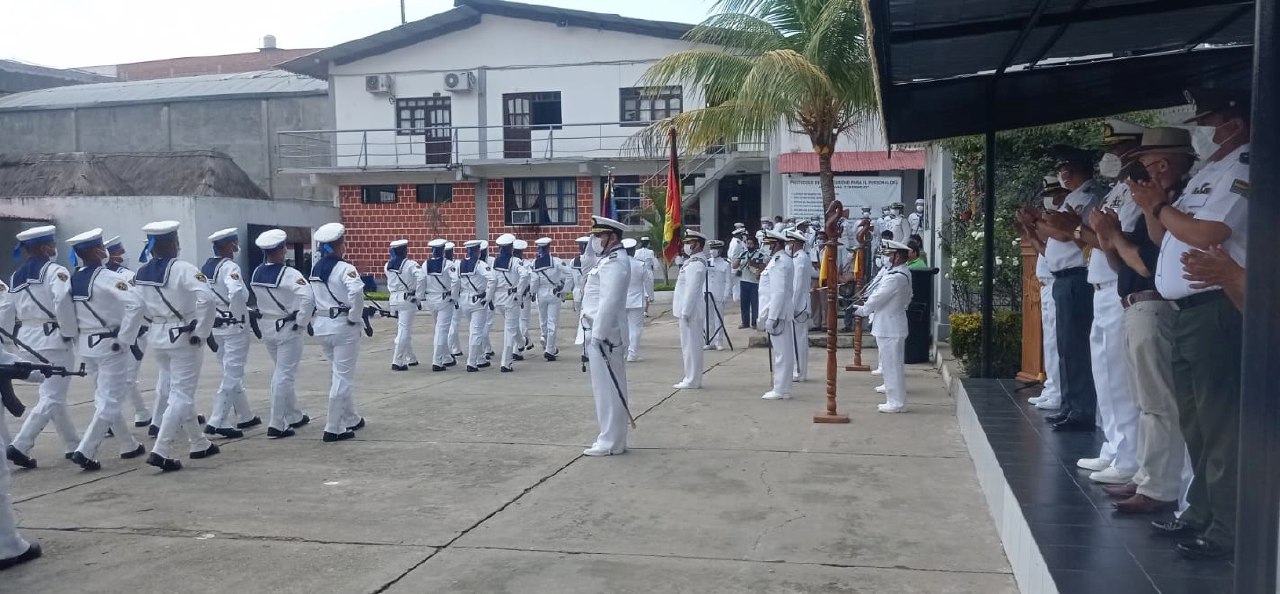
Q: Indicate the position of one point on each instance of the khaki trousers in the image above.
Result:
(1161, 451)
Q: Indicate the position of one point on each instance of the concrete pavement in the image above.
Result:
(476, 483)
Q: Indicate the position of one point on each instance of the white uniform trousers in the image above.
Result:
(486, 341)
(526, 311)
(891, 352)
(475, 320)
(716, 326)
(342, 349)
(691, 343)
(52, 406)
(141, 412)
(609, 389)
(11, 543)
(110, 376)
(403, 353)
(181, 370)
(441, 350)
(1161, 450)
(1049, 321)
(511, 339)
(455, 347)
(549, 319)
(1117, 407)
(800, 347)
(231, 404)
(285, 349)
(635, 327)
(784, 358)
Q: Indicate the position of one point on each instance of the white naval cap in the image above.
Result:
(484, 244)
(739, 226)
(691, 235)
(270, 239)
(774, 236)
(893, 245)
(228, 233)
(715, 243)
(113, 242)
(472, 243)
(584, 239)
(505, 239)
(437, 243)
(629, 243)
(330, 232)
(399, 243)
(37, 234)
(739, 231)
(543, 242)
(601, 224)
(520, 244)
(793, 235)
(158, 228)
(645, 238)
(90, 238)
(448, 245)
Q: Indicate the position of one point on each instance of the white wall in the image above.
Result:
(866, 136)
(938, 180)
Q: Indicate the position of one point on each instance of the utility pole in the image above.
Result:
(403, 20)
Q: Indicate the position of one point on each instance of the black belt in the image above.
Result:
(1070, 272)
(1198, 299)
(1140, 296)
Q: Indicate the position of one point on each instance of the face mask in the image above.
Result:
(1110, 166)
(715, 253)
(920, 208)
(688, 250)
(597, 245)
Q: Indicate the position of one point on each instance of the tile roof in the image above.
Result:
(197, 65)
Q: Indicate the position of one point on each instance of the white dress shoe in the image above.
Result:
(889, 408)
(771, 395)
(686, 386)
(1111, 476)
(601, 451)
(880, 389)
(877, 371)
(707, 347)
(1054, 404)
(1036, 399)
(1093, 464)
(632, 358)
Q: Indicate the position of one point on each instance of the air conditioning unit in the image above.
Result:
(378, 84)
(524, 217)
(459, 81)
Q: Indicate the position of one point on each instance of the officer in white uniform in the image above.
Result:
(639, 295)
(39, 299)
(286, 305)
(549, 278)
(339, 298)
(719, 275)
(898, 223)
(455, 347)
(473, 303)
(507, 283)
(645, 254)
(917, 221)
(108, 315)
(230, 330)
(438, 286)
(402, 286)
(13, 549)
(181, 307)
(777, 300)
(689, 306)
(737, 246)
(115, 263)
(1050, 398)
(802, 275)
(604, 299)
(889, 302)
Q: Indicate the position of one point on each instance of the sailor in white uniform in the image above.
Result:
(286, 305)
(115, 263)
(526, 298)
(689, 306)
(604, 300)
(455, 347)
(39, 299)
(339, 298)
(507, 283)
(737, 246)
(438, 286)
(473, 303)
(639, 295)
(718, 292)
(402, 286)
(181, 308)
(889, 302)
(550, 278)
(917, 221)
(230, 330)
(777, 300)
(802, 275)
(14, 550)
(108, 315)
(491, 312)
(645, 254)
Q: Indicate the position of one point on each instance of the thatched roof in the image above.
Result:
(189, 173)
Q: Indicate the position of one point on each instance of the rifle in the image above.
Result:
(23, 370)
(254, 316)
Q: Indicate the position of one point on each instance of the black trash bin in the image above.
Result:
(919, 315)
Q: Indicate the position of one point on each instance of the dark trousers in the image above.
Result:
(750, 294)
(1206, 385)
(1073, 299)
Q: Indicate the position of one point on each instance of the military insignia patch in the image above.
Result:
(62, 276)
(302, 281)
(201, 277)
(122, 286)
(235, 276)
(1240, 187)
(351, 273)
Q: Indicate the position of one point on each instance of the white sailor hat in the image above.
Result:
(543, 241)
(158, 228)
(437, 243)
(866, 209)
(223, 235)
(601, 224)
(330, 232)
(645, 238)
(448, 245)
(114, 242)
(484, 244)
(584, 239)
(793, 235)
(739, 231)
(893, 245)
(88, 239)
(520, 244)
(471, 243)
(739, 225)
(774, 236)
(36, 235)
(628, 243)
(399, 243)
(505, 239)
(692, 235)
(270, 239)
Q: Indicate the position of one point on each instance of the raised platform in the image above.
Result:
(1057, 526)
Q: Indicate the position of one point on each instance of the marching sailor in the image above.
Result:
(13, 549)
(527, 297)
(39, 300)
(506, 284)
(889, 302)
(108, 315)
(639, 295)
(339, 298)
(802, 275)
(473, 303)
(402, 284)
(550, 277)
(689, 306)
(231, 298)
(438, 285)
(178, 299)
(286, 305)
(490, 312)
(604, 299)
(777, 300)
(455, 348)
(717, 293)
(115, 263)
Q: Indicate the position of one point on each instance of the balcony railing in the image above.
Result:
(448, 147)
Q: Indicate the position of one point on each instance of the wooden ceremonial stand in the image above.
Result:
(834, 210)
(1032, 334)
(863, 238)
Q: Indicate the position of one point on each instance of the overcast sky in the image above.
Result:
(72, 33)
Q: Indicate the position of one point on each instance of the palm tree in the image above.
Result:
(654, 213)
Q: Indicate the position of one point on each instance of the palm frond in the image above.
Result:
(713, 73)
(742, 33)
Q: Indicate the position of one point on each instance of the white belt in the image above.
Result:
(166, 320)
(26, 321)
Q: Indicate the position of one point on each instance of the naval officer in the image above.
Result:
(604, 301)
(689, 306)
(889, 303)
(777, 301)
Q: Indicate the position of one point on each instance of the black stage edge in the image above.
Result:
(1076, 542)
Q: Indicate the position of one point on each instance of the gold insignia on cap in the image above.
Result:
(122, 286)
(62, 276)
(235, 276)
(201, 277)
(302, 281)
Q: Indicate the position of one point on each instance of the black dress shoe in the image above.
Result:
(1056, 418)
(505, 369)
(251, 423)
(332, 437)
(395, 367)
(110, 433)
(548, 356)
(304, 421)
(200, 419)
(455, 355)
(153, 430)
(274, 433)
(518, 357)
(134, 454)
(414, 364)
(438, 368)
(485, 365)
(32, 553)
(451, 363)
(471, 369)
(68, 455)
(164, 464)
(85, 462)
(141, 424)
(1199, 549)
(1172, 528)
(357, 426)
(212, 450)
(229, 433)
(210, 430)
(1075, 426)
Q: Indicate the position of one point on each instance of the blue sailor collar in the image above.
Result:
(212, 266)
(155, 273)
(435, 265)
(323, 268)
(543, 261)
(268, 275)
(31, 272)
(82, 282)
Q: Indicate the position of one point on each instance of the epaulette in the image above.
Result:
(613, 256)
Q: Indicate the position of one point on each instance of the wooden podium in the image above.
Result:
(1032, 332)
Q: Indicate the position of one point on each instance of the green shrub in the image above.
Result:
(377, 295)
(966, 342)
(661, 286)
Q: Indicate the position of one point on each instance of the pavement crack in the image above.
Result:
(75, 486)
(187, 534)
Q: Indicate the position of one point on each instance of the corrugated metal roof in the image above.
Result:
(188, 88)
(853, 161)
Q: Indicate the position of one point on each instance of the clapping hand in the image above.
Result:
(1106, 223)
(1148, 193)
(1211, 268)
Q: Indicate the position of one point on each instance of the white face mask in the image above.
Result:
(715, 253)
(596, 247)
(1110, 166)
(688, 250)
(920, 208)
